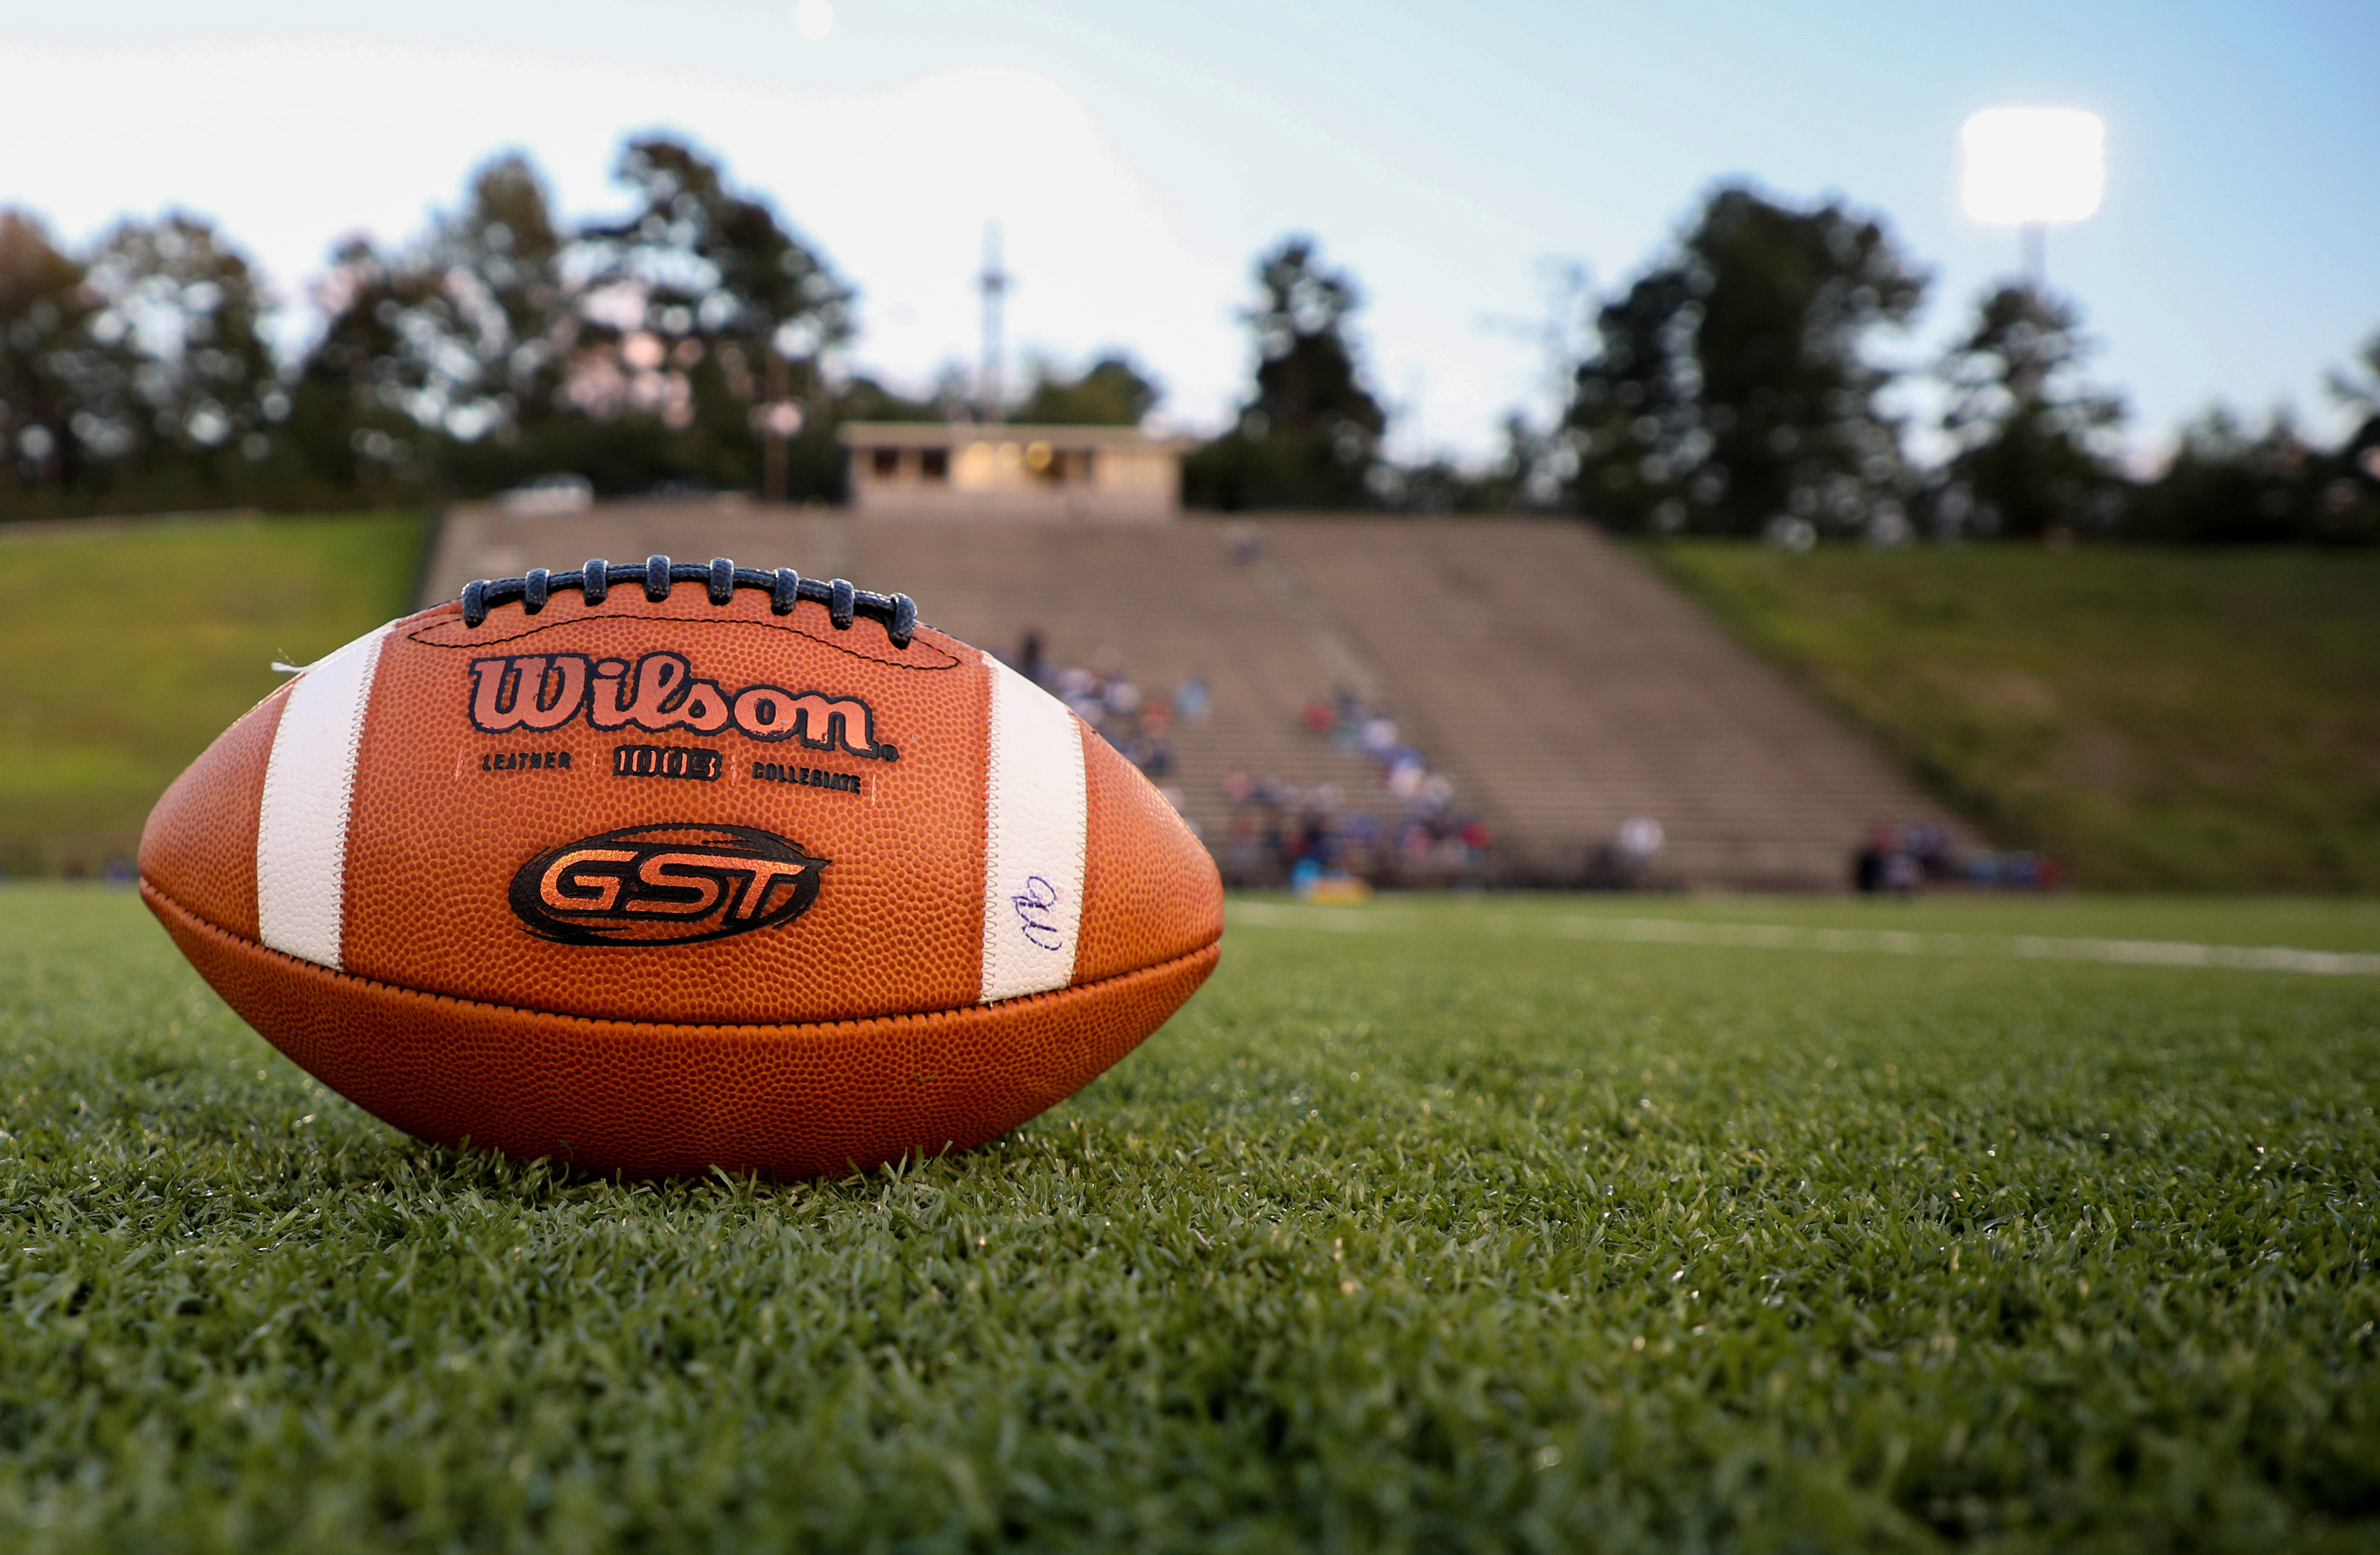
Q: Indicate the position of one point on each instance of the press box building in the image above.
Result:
(973, 469)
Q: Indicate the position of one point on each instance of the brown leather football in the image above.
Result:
(658, 867)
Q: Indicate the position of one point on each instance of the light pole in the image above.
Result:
(779, 417)
(779, 421)
(2027, 168)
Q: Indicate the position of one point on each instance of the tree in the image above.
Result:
(1309, 436)
(2359, 390)
(2226, 484)
(2033, 440)
(1635, 428)
(193, 396)
(46, 362)
(1730, 391)
(1112, 392)
(1517, 481)
(502, 346)
(505, 306)
(699, 306)
(439, 357)
(2350, 498)
(370, 393)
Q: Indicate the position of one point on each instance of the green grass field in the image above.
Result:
(129, 649)
(1434, 1228)
(2199, 720)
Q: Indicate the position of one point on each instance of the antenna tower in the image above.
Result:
(994, 283)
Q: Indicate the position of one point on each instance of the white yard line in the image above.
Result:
(1862, 942)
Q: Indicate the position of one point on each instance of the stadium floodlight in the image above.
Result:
(2034, 165)
(2027, 168)
(814, 19)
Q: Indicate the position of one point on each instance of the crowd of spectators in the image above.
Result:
(1282, 833)
(1137, 721)
(1897, 860)
(1281, 830)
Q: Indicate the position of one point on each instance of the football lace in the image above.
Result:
(721, 577)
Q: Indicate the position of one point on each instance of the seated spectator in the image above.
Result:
(1867, 863)
(1136, 724)
(1635, 844)
(1432, 841)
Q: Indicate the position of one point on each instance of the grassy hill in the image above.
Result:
(127, 649)
(2203, 720)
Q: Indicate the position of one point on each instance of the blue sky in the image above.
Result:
(1138, 156)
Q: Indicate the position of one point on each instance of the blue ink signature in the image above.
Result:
(1033, 904)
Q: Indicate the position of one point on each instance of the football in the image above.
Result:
(656, 866)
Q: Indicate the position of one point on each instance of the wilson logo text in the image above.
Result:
(543, 691)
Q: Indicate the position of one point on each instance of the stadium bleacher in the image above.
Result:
(1560, 684)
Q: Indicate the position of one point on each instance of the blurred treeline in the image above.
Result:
(665, 350)
(1737, 387)
(1742, 384)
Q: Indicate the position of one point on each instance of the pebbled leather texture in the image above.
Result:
(1150, 892)
(653, 1098)
(201, 835)
(885, 963)
(434, 839)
